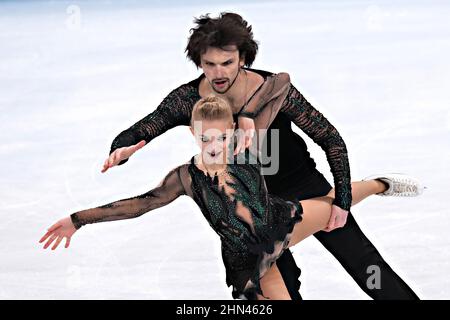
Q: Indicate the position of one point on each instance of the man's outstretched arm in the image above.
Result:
(174, 110)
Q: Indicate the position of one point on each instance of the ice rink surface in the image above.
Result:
(75, 74)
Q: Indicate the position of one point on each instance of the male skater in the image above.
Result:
(224, 49)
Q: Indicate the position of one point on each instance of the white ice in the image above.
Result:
(73, 75)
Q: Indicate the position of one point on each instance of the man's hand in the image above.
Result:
(121, 154)
(246, 131)
(338, 218)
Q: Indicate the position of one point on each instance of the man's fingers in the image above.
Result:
(112, 158)
(332, 223)
(243, 142)
(58, 241)
(248, 140)
(139, 145)
(338, 223)
(105, 165)
(120, 153)
(248, 137)
(115, 156)
(342, 221)
(238, 146)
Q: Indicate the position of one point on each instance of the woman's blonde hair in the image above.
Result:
(211, 108)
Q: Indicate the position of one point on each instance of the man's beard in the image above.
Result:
(229, 86)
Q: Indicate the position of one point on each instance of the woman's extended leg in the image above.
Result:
(272, 282)
(317, 211)
(363, 189)
(273, 286)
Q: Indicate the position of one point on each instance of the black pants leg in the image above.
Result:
(290, 274)
(349, 245)
(359, 256)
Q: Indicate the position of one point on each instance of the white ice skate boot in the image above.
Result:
(400, 185)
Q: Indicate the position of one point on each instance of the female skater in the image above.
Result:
(255, 227)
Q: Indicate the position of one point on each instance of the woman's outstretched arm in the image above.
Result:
(168, 190)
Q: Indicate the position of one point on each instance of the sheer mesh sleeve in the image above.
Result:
(174, 110)
(322, 132)
(170, 188)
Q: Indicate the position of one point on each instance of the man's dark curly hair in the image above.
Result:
(228, 29)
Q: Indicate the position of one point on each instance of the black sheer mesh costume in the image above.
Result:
(255, 227)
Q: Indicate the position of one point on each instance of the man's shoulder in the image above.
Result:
(284, 76)
(185, 90)
(263, 73)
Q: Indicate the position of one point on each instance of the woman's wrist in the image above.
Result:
(75, 221)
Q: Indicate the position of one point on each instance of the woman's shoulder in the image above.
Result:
(180, 169)
(181, 176)
(186, 164)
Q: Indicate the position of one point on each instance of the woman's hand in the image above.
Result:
(121, 154)
(246, 131)
(64, 228)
